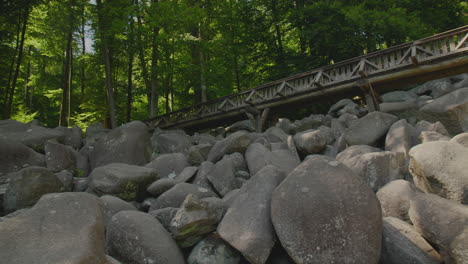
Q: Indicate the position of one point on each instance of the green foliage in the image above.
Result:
(24, 116)
(225, 46)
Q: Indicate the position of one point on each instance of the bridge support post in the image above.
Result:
(369, 94)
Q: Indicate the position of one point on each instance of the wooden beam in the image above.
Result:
(369, 94)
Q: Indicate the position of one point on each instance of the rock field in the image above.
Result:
(342, 187)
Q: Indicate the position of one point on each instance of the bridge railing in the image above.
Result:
(396, 58)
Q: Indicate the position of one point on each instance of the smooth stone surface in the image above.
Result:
(444, 224)
(461, 139)
(247, 225)
(402, 244)
(60, 228)
(440, 167)
(222, 176)
(395, 198)
(171, 141)
(25, 187)
(176, 195)
(213, 250)
(160, 186)
(369, 129)
(136, 237)
(164, 216)
(15, 156)
(258, 156)
(169, 165)
(310, 141)
(128, 182)
(112, 205)
(236, 142)
(324, 213)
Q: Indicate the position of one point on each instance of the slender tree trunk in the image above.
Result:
(154, 74)
(27, 88)
(64, 108)
(12, 65)
(141, 55)
(130, 70)
(107, 64)
(299, 5)
(18, 64)
(83, 49)
(279, 41)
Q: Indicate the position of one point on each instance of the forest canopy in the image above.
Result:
(75, 62)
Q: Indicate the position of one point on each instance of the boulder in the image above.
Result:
(245, 125)
(164, 216)
(277, 132)
(339, 105)
(461, 139)
(350, 155)
(400, 139)
(30, 135)
(369, 129)
(198, 153)
(196, 218)
(402, 244)
(440, 167)
(201, 177)
(424, 125)
(186, 174)
(136, 237)
(324, 213)
(450, 109)
(26, 186)
(60, 228)
(429, 136)
(247, 225)
(128, 182)
(169, 165)
(160, 186)
(444, 224)
(258, 156)
(213, 250)
(395, 198)
(286, 125)
(204, 138)
(236, 142)
(379, 168)
(112, 205)
(398, 96)
(230, 197)
(72, 136)
(176, 195)
(222, 176)
(310, 141)
(171, 141)
(80, 184)
(129, 144)
(436, 88)
(61, 157)
(15, 155)
(66, 178)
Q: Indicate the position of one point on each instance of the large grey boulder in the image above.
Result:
(15, 155)
(186, 174)
(60, 228)
(379, 168)
(429, 136)
(444, 224)
(351, 155)
(461, 139)
(247, 225)
(402, 244)
(213, 250)
(398, 96)
(169, 165)
(61, 157)
(196, 218)
(176, 195)
(160, 186)
(26, 186)
(436, 88)
(369, 129)
(236, 142)
(66, 178)
(324, 213)
(222, 176)
(400, 139)
(72, 136)
(171, 141)
(339, 105)
(136, 237)
(440, 167)
(450, 109)
(310, 141)
(112, 205)
(164, 216)
(198, 153)
(395, 198)
(201, 176)
(30, 135)
(129, 144)
(128, 182)
(245, 125)
(258, 156)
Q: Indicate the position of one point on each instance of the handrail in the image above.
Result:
(425, 50)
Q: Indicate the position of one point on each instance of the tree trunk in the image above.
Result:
(83, 49)
(299, 5)
(141, 55)
(27, 88)
(107, 64)
(130, 70)
(18, 64)
(279, 42)
(154, 72)
(64, 108)
(12, 65)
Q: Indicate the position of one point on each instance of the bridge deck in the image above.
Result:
(421, 60)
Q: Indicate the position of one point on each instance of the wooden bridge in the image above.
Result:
(422, 60)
